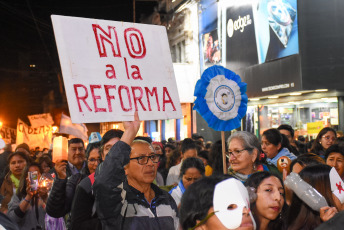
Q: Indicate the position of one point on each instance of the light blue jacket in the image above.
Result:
(283, 152)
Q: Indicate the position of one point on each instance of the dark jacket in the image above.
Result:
(33, 218)
(335, 223)
(62, 194)
(120, 206)
(83, 215)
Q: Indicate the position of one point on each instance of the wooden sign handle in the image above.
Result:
(224, 152)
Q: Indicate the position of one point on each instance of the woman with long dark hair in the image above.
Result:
(274, 146)
(269, 208)
(326, 137)
(27, 206)
(300, 215)
(16, 163)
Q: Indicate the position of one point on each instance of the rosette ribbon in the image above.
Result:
(221, 98)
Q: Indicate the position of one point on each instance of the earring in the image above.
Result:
(280, 215)
(254, 167)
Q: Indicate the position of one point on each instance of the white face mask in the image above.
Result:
(231, 192)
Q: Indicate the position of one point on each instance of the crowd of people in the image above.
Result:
(125, 181)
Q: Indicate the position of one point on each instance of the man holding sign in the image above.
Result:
(126, 197)
(111, 69)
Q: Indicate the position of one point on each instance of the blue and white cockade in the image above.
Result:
(221, 98)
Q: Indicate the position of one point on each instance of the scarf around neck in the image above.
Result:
(15, 181)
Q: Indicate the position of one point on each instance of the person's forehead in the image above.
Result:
(156, 145)
(236, 142)
(112, 141)
(336, 155)
(272, 180)
(33, 168)
(285, 132)
(94, 152)
(139, 148)
(76, 145)
(17, 158)
(329, 133)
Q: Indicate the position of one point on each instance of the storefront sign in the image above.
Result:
(111, 69)
(260, 41)
(315, 127)
(271, 26)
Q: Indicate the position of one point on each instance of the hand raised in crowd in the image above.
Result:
(60, 167)
(29, 192)
(327, 213)
(131, 128)
(43, 193)
(25, 204)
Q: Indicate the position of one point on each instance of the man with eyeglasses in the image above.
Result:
(126, 197)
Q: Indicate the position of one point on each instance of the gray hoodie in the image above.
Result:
(25, 220)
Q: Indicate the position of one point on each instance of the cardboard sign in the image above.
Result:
(111, 69)
(9, 135)
(37, 120)
(34, 136)
(315, 127)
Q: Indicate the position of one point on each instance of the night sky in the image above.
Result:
(27, 39)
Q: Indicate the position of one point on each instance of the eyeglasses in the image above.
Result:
(94, 160)
(203, 221)
(142, 160)
(235, 153)
(329, 138)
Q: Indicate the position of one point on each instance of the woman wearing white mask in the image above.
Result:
(216, 202)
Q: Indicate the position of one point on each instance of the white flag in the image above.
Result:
(77, 130)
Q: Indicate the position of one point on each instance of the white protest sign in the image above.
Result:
(34, 136)
(37, 120)
(77, 130)
(9, 135)
(110, 69)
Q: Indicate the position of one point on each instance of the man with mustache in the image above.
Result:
(76, 159)
(126, 197)
(60, 198)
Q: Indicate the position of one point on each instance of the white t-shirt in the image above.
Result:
(173, 174)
